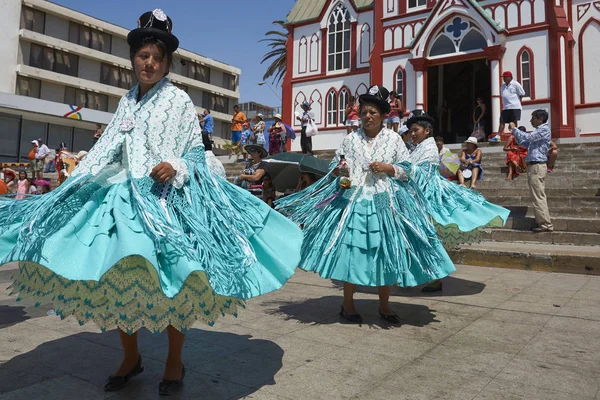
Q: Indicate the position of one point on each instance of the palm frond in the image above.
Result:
(277, 55)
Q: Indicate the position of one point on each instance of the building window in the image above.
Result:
(228, 81)
(198, 72)
(525, 70)
(417, 3)
(400, 84)
(343, 98)
(53, 60)
(215, 102)
(332, 110)
(28, 87)
(33, 20)
(86, 99)
(339, 39)
(115, 76)
(458, 35)
(9, 138)
(89, 37)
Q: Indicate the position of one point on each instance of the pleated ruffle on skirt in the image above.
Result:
(386, 240)
(458, 213)
(136, 254)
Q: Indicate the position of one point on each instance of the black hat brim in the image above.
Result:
(383, 105)
(262, 150)
(136, 36)
(419, 118)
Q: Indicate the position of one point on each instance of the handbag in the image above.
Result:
(478, 132)
(311, 129)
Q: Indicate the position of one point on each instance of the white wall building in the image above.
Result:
(63, 72)
(453, 51)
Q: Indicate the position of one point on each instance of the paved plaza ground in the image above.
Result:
(492, 334)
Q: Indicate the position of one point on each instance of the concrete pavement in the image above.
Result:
(492, 334)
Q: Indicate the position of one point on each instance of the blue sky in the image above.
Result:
(225, 31)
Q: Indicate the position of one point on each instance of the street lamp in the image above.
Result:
(266, 83)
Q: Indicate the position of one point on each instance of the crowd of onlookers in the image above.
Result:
(26, 180)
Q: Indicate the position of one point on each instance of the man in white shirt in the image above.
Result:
(512, 92)
(40, 159)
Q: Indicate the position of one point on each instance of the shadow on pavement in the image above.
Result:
(213, 367)
(451, 287)
(325, 310)
(11, 315)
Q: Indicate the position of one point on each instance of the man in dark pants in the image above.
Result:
(512, 93)
(305, 141)
(207, 129)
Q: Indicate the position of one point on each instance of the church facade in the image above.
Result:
(441, 55)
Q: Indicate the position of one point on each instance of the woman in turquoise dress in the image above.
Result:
(376, 232)
(142, 234)
(458, 213)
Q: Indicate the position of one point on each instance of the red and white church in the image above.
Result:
(445, 51)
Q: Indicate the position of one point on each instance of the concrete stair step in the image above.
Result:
(553, 201)
(521, 183)
(531, 256)
(552, 192)
(497, 174)
(564, 224)
(556, 237)
(562, 212)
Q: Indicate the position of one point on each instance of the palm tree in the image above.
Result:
(277, 55)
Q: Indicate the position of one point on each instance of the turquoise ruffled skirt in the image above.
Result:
(380, 241)
(135, 254)
(458, 213)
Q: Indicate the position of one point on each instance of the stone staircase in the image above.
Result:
(573, 191)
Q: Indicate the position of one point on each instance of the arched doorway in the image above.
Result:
(458, 72)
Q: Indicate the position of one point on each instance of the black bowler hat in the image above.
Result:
(154, 24)
(418, 116)
(379, 96)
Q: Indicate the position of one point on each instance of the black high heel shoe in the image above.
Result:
(355, 318)
(114, 383)
(169, 387)
(391, 318)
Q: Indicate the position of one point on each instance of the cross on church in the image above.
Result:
(457, 27)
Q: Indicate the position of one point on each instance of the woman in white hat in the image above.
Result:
(471, 163)
(259, 131)
(156, 237)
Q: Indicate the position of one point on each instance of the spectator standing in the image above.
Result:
(23, 185)
(236, 125)
(479, 116)
(396, 112)
(512, 93)
(40, 159)
(307, 117)
(275, 133)
(208, 127)
(352, 121)
(259, 131)
(245, 140)
(98, 133)
(538, 143)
